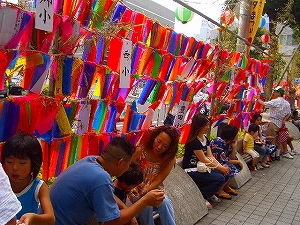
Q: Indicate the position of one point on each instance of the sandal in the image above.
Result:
(231, 191)
(208, 205)
(224, 196)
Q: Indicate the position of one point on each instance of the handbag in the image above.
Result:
(202, 167)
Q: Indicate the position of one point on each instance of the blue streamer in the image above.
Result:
(112, 118)
(170, 68)
(97, 116)
(86, 79)
(67, 75)
(134, 122)
(146, 91)
(119, 11)
(134, 62)
(87, 46)
(100, 48)
(184, 45)
(60, 159)
(11, 120)
(172, 43)
(184, 93)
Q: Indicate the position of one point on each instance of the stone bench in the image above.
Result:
(244, 175)
(188, 202)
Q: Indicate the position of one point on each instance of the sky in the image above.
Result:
(211, 8)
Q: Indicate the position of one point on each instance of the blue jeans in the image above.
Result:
(263, 152)
(165, 210)
(208, 183)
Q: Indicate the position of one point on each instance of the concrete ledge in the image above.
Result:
(244, 175)
(188, 202)
(293, 130)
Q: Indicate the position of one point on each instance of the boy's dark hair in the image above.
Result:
(253, 127)
(133, 176)
(118, 148)
(229, 132)
(295, 112)
(24, 146)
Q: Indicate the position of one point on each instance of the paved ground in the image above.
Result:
(272, 196)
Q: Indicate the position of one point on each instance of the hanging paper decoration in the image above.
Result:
(265, 38)
(184, 15)
(138, 21)
(13, 23)
(83, 117)
(227, 17)
(70, 36)
(5, 59)
(262, 22)
(86, 79)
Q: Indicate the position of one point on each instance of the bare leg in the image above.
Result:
(12, 221)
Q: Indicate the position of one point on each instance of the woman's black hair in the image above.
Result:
(228, 133)
(255, 117)
(198, 122)
(24, 146)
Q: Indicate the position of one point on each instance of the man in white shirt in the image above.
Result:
(280, 112)
(9, 204)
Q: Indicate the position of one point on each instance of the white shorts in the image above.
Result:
(253, 153)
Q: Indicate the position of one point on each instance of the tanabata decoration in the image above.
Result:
(13, 23)
(5, 59)
(262, 22)
(184, 15)
(227, 17)
(265, 38)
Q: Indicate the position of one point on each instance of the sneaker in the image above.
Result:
(214, 199)
(259, 166)
(291, 153)
(288, 156)
(295, 152)
(264, 165)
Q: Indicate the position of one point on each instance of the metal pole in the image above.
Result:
(244, 19)
(288, 65)
(219, 25)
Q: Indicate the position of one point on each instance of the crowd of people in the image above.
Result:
(86, 192)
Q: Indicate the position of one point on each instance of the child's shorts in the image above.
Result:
(253, 153)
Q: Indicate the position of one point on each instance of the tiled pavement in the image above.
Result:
(272, 196)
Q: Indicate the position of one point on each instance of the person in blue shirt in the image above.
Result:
(86, 189)
(22, 158)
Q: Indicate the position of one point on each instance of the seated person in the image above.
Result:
(295, 119)
(223, 149)
(127, 181)
(248, 145)
(86, 189)
(259, 143)
(197, 149)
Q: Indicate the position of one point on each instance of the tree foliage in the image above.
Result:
(287, 14)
